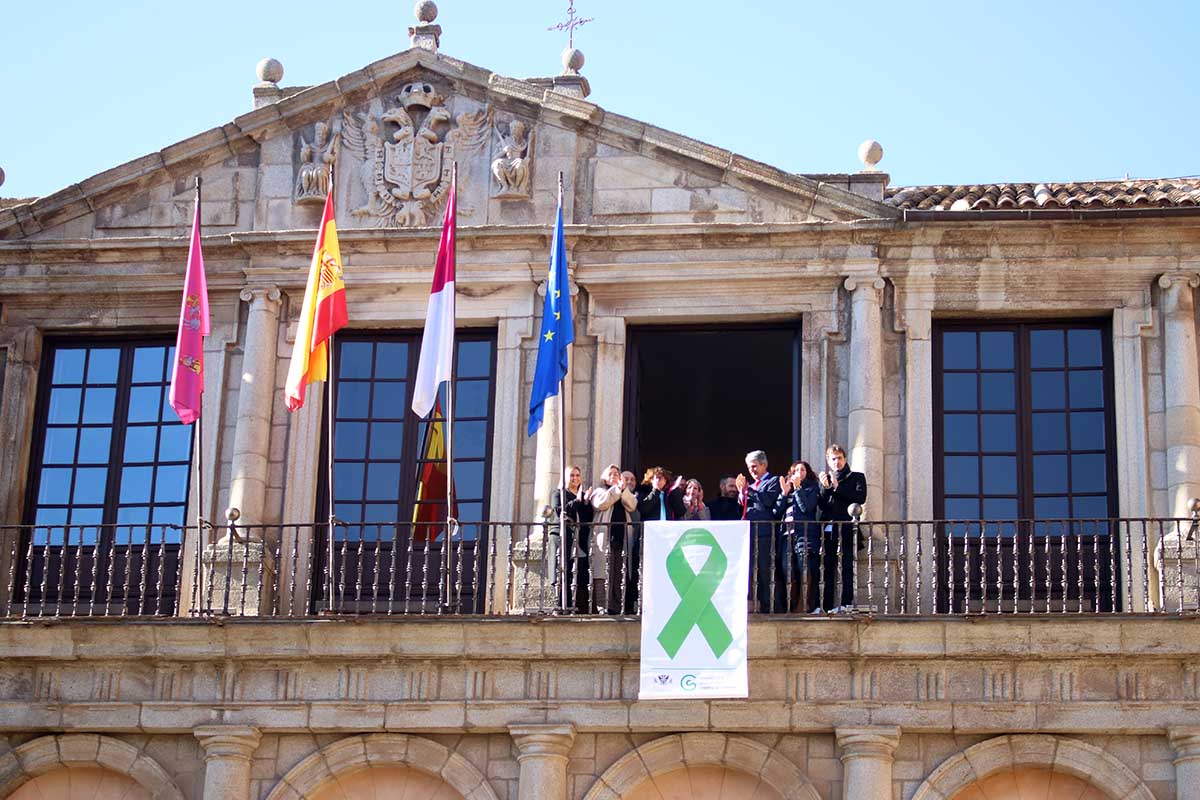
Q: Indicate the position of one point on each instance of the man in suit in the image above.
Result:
(758, 495)
(841, 488)
(726, 504)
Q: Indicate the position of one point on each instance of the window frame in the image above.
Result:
(124, 385)
(409, 455)
(1023, 411)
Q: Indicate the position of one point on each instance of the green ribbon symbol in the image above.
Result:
(696, 590)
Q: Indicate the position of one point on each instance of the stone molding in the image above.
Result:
(234, 742)
(1057, 754)
(874, 742)
(48, 753)
(543, 741)
(1186, 741)
(378, 749)
(735, 753)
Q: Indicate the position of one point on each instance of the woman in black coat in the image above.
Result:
(573, 547)
(797, 507)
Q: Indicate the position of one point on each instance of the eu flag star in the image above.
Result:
(549, 336)
(557, 294)
(557, 315)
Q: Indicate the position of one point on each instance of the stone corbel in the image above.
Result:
(1134, 317)
(607, 330)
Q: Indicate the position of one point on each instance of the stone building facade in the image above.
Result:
(891, 300)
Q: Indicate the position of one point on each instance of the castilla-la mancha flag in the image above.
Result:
(187, 373)
(437, 345)
(321, 315)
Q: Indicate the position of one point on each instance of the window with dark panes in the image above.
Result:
(389, 481)
(1023, 420)
(110, 475)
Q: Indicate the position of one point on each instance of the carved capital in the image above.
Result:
(1177, 291)
(228, 742)
(543, 741)
(261, 296)
(867, 287)
(875, 742)
(541, 289)
(1186, 741)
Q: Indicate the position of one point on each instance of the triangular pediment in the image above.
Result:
(394, 128)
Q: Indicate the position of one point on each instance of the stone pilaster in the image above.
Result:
(542, 753)
(866, 755)
(608, 390)
(1182, 390)
(918, 453)
(256, 401)
(866, 446)
(1186, 742)
(227, 752)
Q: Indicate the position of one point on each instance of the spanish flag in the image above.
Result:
(429, 512)
(323, 312)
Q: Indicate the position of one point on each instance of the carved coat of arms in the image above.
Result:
(407, 153)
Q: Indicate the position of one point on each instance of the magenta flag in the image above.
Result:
(187, 373)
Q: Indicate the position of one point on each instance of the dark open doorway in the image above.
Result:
(698, 399)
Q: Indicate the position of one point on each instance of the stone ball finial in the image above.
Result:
(870, 153)
(1, 177)
(269, 70)
(856, 511)
(425, 11)
(572, 60)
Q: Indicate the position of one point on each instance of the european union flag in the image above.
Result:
(557, 330)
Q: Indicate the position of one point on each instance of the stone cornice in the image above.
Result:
(1135, 674)
(517, 638)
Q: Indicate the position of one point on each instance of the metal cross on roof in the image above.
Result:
(571, 24)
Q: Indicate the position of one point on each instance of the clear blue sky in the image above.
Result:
(955, 92)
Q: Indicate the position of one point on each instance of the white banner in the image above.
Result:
(695, 577)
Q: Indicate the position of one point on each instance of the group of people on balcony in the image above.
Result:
(800, 526)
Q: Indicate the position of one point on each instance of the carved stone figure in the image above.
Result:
(312, 183)
(511, 169)
(406, 153)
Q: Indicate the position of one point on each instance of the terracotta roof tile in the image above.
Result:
(1079, 195)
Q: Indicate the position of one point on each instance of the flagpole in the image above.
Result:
(330, 346)
(451, 521)
(198, 578)
(565, 558)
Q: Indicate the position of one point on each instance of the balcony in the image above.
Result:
(902, 568)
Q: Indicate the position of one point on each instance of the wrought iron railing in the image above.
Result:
(880, 568)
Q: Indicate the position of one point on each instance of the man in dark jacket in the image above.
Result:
(726, 504)
(841, 488)
(759, 495)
